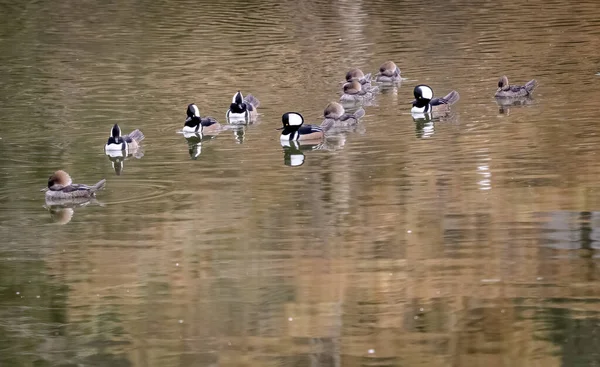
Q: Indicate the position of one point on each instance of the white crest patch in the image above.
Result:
(426, 92)
(295, 119)
(235, 97)
(196, 110)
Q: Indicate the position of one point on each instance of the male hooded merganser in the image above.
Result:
(354, 92)
(337, 114)
(127, 143)
(60, 187)
(194, 123)
(514, 91)
(388, 73)
(242, 110)
(359, 76)
(425, 103)
(294, 128)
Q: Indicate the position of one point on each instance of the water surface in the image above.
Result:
(468, 241)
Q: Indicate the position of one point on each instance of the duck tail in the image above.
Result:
(99, 186)
(531, 85)
(137, 135)
(452, 97)
(360, 113)
(252, 100)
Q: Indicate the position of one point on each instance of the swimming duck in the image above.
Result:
(128, 143)
(359, 76)
(425, 103)
(242, 110)
(354, 92)
(194, 123)
(336, 112)
(295, 130)
(514, 91)
(61, 187)
(388, 73)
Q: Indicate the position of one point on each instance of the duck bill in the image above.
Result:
(44, 189)
(280, 128)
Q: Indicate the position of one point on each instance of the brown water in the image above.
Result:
(469, 241)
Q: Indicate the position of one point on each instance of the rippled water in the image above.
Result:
(465, 241)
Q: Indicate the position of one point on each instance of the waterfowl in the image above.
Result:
(359, 76)
(388, 73)
(194, 123)
(337, 114)
(425, 103)
(295, 130)
(242, 110)
(514, 91)
(61, 187)
(118, 143)
(354, 92)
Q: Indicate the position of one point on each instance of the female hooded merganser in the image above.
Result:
(295, 130)
(514, 91)
(354, 92)
(425, 103)
(194, 123)
(242, 110)
(388, 73)
(127, 143)
(338, 116)
(60, 187)
(359, 76)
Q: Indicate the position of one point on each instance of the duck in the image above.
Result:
(194, 123)
(336, 112)
(425, 103)
(61, 187)
(359, 76)
(118, 143)
(295, 130)
(506, 90)
(354, 92)
(388, 73)
(242, 110)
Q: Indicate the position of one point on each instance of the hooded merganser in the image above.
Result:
(359, 76)
(61, 187)
(425, 103)
(514, 91)
(194, 123)
(388, 73)
(242, 110)
(127, 143)
(337, 114)
(295, 130)
(354, 92)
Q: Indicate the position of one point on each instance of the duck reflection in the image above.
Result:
(293, 152)
(195, 140)
(118, 157)
(424, 125)
(505, 104)
(62, 210)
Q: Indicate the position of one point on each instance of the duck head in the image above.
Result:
(423, 95)
(503, 83)
(334, 111)
(291, 122)
(354, 74)
(193, 112)
(352, 87)
(59, 180)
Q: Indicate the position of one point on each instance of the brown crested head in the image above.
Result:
(59, 178)
(387, 68)
(503, 83)
(354, 74)
(333, 110)
(352, 87)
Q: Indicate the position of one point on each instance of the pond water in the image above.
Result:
(465, 241)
